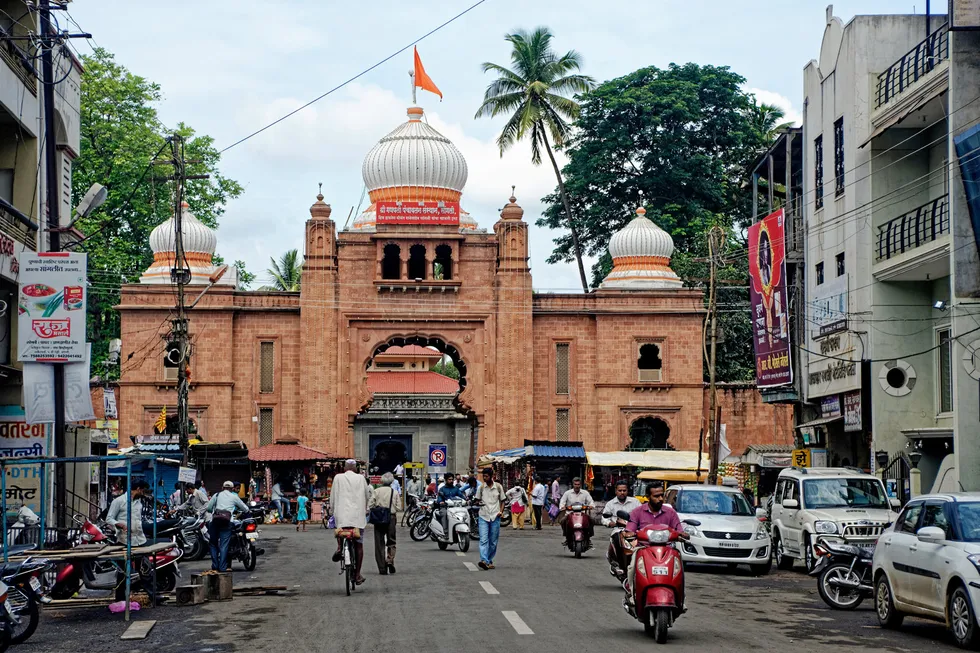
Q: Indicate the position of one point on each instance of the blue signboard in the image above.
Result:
(438, 458)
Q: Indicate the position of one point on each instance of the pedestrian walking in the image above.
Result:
(176, 497)
(555, 500)
(538, 494)
(280, 501)
(302, 514)
(384, 506)
(517, 498)
(491, 497)
(221, 506)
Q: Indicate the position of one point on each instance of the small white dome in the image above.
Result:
(641, 257)
(414, 156)
(197, 236)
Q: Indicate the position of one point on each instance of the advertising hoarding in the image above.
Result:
(769, 301)
(829, 307)
(51, 307)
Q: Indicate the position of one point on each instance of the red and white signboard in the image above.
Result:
(417, 213)
(51, 307)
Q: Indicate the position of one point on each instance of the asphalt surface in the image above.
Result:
(435, 603)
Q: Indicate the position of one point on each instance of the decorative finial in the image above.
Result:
(513, 197)
(319, 192)
(641, 211)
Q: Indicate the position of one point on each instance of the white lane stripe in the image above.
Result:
(517, 623)
(470, 566)
(460, 554)
(488, 588)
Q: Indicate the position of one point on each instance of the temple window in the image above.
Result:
(391, 264)
(442, 269)
(416, 262)
(650, 364)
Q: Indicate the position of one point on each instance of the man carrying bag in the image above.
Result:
(384, 506)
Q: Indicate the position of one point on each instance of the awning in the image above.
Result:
(505, 456)
(899, 117)
(819, 422)
(674, 476)
(555, 451)
(272, 453)
(650, 459)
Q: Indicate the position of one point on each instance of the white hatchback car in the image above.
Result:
(928, 564)
(730, 531)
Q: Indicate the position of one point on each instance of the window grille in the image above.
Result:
(267, 367)
(265, 426)
(839, 157)
(818, 171)
(561, 425)
(561, 368)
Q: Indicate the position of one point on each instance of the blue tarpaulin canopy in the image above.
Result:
(568, 450)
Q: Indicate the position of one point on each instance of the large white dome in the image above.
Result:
(416, 158)
(641, 254)
(197, 236)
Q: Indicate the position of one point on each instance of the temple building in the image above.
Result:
(412, 280)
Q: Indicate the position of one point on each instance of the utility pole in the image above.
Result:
(716, 238)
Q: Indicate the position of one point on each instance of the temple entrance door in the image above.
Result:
(388, 451)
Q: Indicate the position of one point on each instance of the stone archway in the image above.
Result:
(649, 433)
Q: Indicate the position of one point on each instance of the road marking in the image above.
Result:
(517, 623)
(488, 588)
(139, 629)
(460, 554)
(470, 566)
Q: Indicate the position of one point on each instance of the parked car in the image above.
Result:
(839, 504)
(730, 531)
(927, 565)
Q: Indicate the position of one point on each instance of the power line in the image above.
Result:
(355, 77)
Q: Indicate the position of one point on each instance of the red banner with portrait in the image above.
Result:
(769, 301)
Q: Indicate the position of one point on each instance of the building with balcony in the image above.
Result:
(881, 352)
(23, 196)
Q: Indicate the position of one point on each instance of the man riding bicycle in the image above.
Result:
(349, 498)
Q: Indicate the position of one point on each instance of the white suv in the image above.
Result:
(836, 503)
(928, 565)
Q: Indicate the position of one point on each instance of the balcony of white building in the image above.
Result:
(920, 74)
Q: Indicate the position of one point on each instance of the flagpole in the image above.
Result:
(411, 75)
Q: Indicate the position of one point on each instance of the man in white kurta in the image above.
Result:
(349, 496)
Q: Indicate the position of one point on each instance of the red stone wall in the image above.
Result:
(749, 420)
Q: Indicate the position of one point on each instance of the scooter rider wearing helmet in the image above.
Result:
(622, 501)
(447, 492)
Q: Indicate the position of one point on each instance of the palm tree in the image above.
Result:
(285, 273)
(533, 95)
(767, 120)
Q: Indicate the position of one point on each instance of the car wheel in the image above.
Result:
(809, 558)
(763, 569)
(783, 561)
(888, 616)
(962, 623)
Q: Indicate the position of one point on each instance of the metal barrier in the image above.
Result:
(916, 63)
(921, 225)
(899, 470)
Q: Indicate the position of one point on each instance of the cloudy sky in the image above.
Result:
(229, 68)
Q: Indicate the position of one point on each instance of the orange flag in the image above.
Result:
(422, 79)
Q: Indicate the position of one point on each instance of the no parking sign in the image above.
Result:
(438, 455)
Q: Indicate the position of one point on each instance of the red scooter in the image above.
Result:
(657, 595)
(578, 529)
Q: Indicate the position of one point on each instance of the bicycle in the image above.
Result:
(348, 565)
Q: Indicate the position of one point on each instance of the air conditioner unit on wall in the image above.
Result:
(170, 373)
(649, 376)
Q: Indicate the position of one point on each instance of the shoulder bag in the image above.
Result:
(382, 516)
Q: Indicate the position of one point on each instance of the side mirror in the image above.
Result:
(761, 513)
(931, 534)
(792, 504)
(894, 503)
(622, 514)
(692, 522)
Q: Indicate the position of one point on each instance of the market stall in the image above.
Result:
(295, 467)
(547, 459)
(606, 468)
(759, 468)
(220, 462)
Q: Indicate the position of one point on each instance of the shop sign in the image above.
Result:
(186, 475)
(769, 302)
(801, 458)
(829, 307)
(834, 366)
(51, 308)
(106, 431)
(109, 403)
(18, 439)
(818, 457)
(830, 406)
(852, 412)
(777, 460)
(417, 213)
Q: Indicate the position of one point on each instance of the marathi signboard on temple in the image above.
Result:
(51, 308)
(769, 302)
(446, 213)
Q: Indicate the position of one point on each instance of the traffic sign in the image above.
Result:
(438, 455)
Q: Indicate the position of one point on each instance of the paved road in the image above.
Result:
(435, 604)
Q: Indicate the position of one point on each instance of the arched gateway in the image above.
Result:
(415, 269)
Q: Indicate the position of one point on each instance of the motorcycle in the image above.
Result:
(621, 548)
(7, 618)
(419, 526)
(656, 597)
(458, 520)
(244, 533)
(26, 593)
(843, 574)
(578, 526)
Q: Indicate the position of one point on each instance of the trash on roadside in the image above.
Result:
(120, 606)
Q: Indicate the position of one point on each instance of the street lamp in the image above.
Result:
(914, 458)
(881, 457)
(93, 199)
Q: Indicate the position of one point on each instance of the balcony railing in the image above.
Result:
(917, 227)
(918, 62)
(17, 60)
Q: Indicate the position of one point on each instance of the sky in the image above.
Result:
(227, 69)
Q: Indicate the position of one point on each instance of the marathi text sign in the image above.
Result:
(769, 302)
(21, 440)
(417, 213)
(829, 307)
(51, 308)
(852, 412)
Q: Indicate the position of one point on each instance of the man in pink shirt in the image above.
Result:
(655, 511)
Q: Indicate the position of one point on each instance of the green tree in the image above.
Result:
(676, 141)
(446, 368)
(245, 278)
(285, 274)
(120, 134)
(534, 95)
(768, 121)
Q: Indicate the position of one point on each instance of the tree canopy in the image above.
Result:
(121, 133)
(286, 273)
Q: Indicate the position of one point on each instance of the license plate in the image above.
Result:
(35, 584)
(9, 608)
(251, 536)
(729, 545)
(661, 571)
